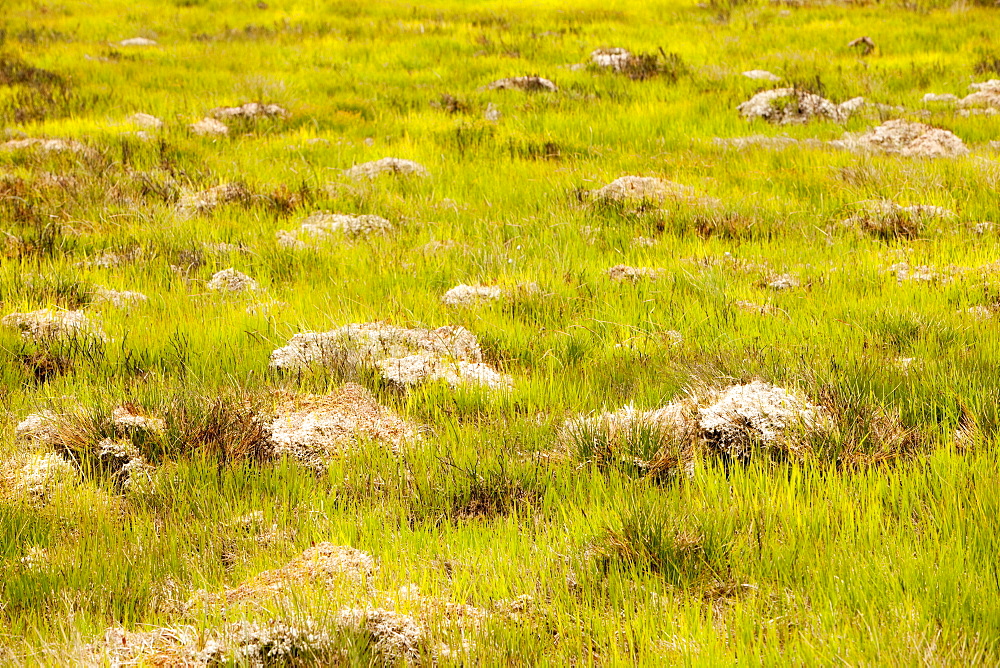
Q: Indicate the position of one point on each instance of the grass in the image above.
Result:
(879, 547)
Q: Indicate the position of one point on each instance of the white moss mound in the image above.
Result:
(790, 105)
(737, 421)
(45, 145)
(47, 325)
(398, 637)
(204, 201)
(744, 417)
(209, 127)
(364, 344)
(885, 218)
(36, 476)
(121, 299)
(323, 226)
(784, 282)
(392, 166)
(633, 190)
(250, 110)
(38, 428)
(530, 84)
(121, 460)
(761, 75)
(906, 138)
(314, 428)
(471, 295)
(623, 272)
(615, 58)
(426, 367)
(147, 121)
(987, 95)
(230, 280)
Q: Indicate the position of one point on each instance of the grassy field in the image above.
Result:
(496, 535)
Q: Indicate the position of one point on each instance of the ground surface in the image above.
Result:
(158, 503)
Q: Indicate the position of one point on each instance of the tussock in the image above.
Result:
(471, 295)
(905, 138)
(363, 344)
(209, 127)
(425, 367)
(785, 106)
(230, 280)
(391, 166)
(249, 110)
(48, 325)
(660, 439)
(623, 272)
(530, 84)
(323, 226)
(314, 428)
(887, 220)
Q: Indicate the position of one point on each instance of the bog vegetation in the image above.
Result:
(485, 333)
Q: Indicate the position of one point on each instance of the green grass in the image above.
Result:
(859, 555)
